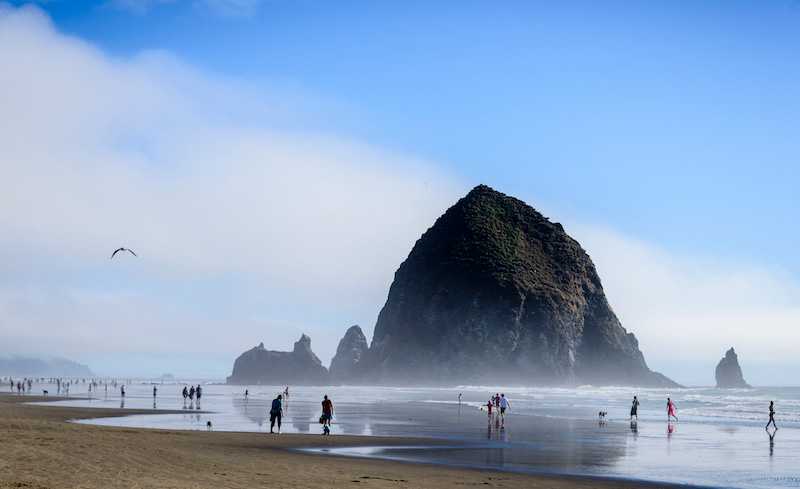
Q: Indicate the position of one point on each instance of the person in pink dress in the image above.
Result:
(671, 409)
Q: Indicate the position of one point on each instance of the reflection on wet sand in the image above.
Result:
(256, 410)
(772, 440)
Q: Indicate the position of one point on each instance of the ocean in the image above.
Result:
(720, 438)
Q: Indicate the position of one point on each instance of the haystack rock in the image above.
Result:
(345, 364)
(299, 367)
(496, 294)
(729, 373)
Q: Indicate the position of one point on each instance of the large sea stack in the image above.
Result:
(729, 373)
(495, 293)
(299, 367)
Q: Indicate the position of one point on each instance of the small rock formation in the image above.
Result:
(729, 374)
(299, 367)
(344, 366)
(495, 292)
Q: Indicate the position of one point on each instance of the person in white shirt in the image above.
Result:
(503, 405)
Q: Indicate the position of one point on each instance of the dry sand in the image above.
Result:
(40, 449)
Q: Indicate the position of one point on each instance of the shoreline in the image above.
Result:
(41, 448)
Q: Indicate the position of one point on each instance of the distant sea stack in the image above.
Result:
(345, 364)
(299, 367)
(495, 293)
(729, 373)
(43, 367)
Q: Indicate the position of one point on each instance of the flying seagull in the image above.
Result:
(123, 249)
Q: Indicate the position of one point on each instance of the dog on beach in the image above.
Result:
(208, 425)
(44, 392)
(603, 414)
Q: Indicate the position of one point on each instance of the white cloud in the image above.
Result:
(245, 232)
(693, 309)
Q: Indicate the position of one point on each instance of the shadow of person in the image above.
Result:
(635, 428)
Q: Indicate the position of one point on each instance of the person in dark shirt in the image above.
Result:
(327, 415)
(276, 413)
(772, 415)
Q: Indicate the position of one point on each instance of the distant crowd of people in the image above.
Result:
(25, 386)
(497, 405)
(189, 393)
(672, 408)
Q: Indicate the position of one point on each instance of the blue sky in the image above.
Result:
(662, 135)
(683, 109)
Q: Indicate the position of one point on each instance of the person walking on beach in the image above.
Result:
(635, 408)
(671, 409)
(199, 393)
(503, 405)
(276, 413)
(327, 415)
(489, 406)
(155, 390)
(122, 391)
(246, 394)
(772, 415)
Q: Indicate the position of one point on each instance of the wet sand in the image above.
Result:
(40, 449)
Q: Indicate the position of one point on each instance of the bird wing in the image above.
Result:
(132, 253)
(115, 252)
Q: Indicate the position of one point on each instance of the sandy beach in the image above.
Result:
(41, 449)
